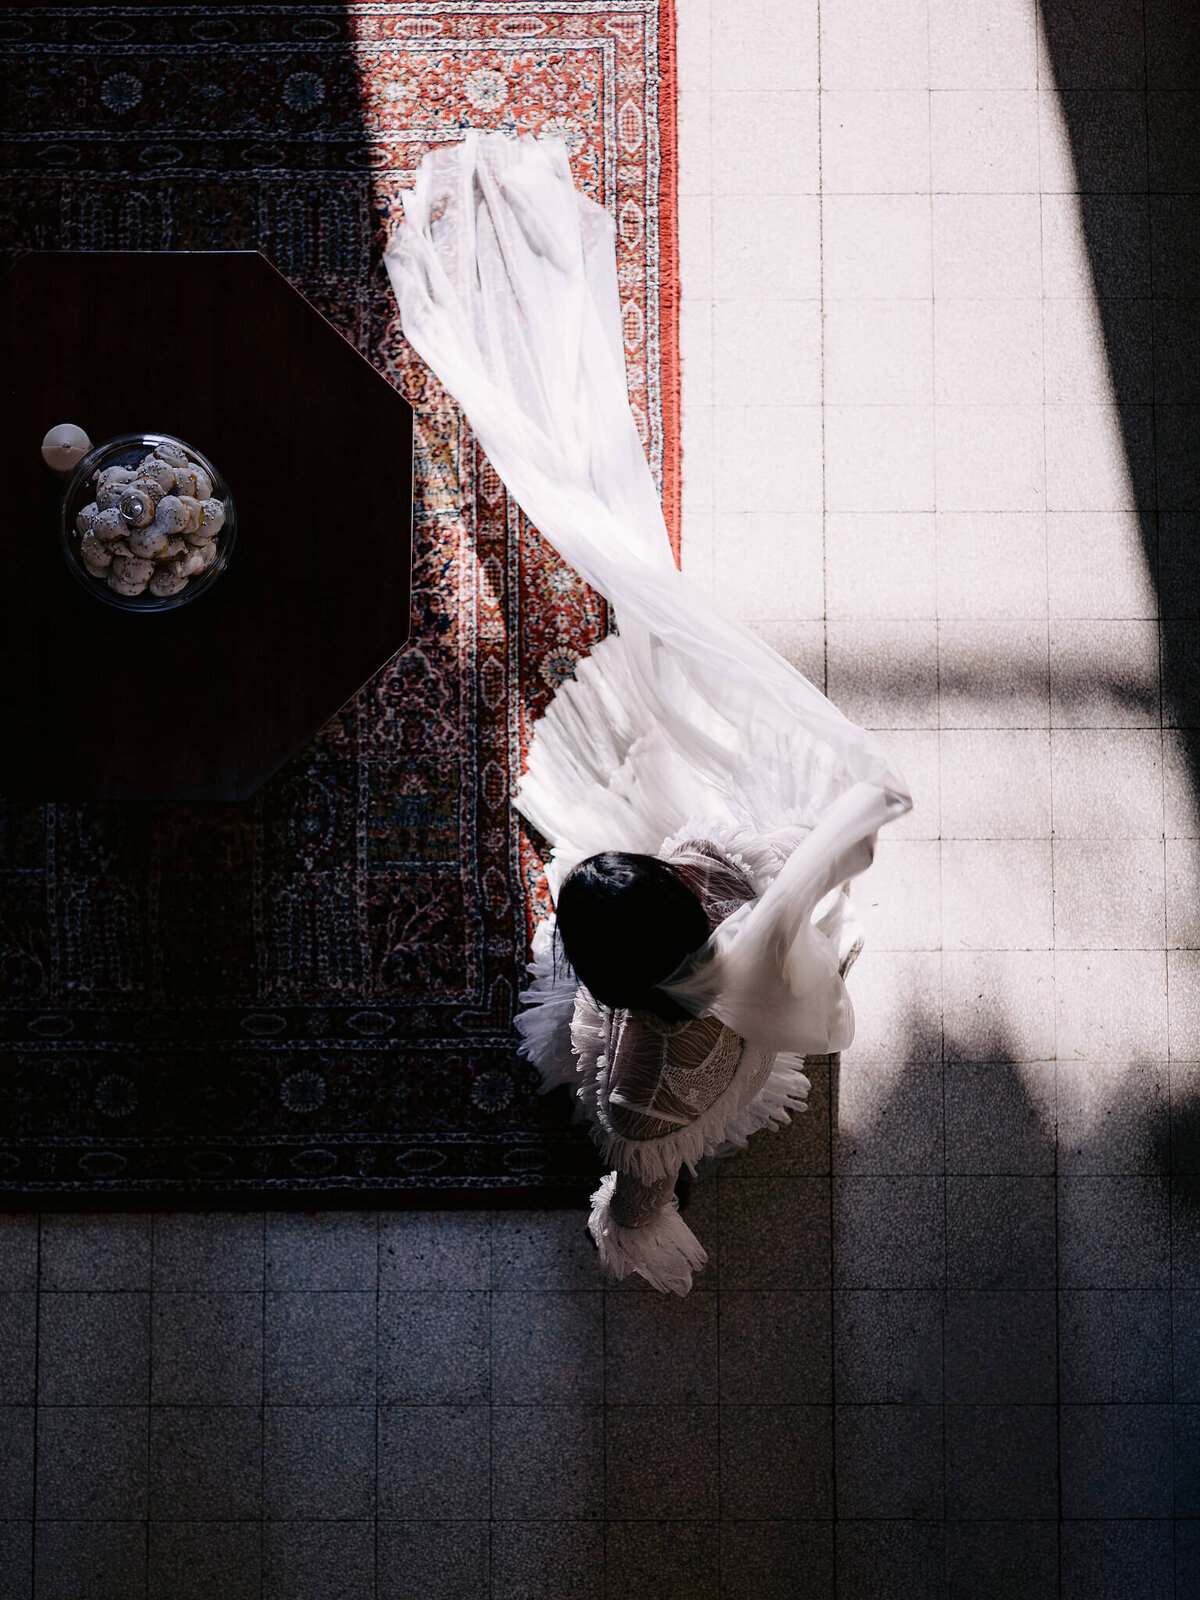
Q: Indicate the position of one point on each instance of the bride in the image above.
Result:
(706, 804)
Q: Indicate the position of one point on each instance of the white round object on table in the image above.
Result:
(64, 447)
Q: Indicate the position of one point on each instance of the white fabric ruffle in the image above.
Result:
(654, 1160)
(547, 1007)
(664, 1250)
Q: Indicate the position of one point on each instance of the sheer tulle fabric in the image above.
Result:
(506, 283)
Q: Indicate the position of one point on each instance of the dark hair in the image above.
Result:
(626, 922)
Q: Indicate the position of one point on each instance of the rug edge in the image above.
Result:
(668, 211)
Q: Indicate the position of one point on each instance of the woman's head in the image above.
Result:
(626, 922)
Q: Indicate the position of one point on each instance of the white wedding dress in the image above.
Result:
(681, 735)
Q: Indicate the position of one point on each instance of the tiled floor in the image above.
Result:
(941, 270)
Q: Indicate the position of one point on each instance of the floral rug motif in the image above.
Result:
(313, 991)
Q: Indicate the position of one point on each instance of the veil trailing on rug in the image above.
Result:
(506, 282)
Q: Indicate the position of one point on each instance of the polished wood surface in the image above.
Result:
(204, 702)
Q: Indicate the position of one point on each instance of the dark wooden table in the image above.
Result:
(203, 702)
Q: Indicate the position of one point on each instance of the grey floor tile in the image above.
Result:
(207, 1348)
(433, 1561)
(547, 1346)
(91, 1462)
(16, 1461)
(1113, 1233)
(1085, 56)
(1000, 1233)
(1187, 1460)
(980, 1024)
(1116, 1461)
(433, 1462)
(1000, 1117)
(318, 1462)
(1118, 1561)
(892, 1560)
(887, 1346)
(889, 1461)
(1187, 1560)
(18, 1332)
(322, 1250)
(866, 678)
(1185, 1343)
(1001, 1347)
(90, 1561)
(433, 1347)
(205, 1463)
(660, 1349)
(1108, 139)
(1185, 1118)
(1172, 49)
(1177, 430)
(777, 1561)
(999, 1560)
(16, 1560)
(1132, 1134)
(547, 1461)
(319, 1347)
(1002, 1461)
(1178, 579)
(776, 1346)
(435, 1250)
(889, 1233)
(1123, 266)
(94, 1349)
(776, 1462)
(1114, 1345)
(890, 1119)
(1104, 674)
(800, 1147)
(1185, 1233)
(547, 1561)
(661, 1560)
(200, 1560)
(1181, 697)
(774, 1232)
(109, 1250)
(1012, 658)
(542, 1250)
(318, 1561)
(195, 1251)
(19, 1251)
(663, 1457)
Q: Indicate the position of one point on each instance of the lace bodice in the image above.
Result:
(661, 1094)
(667, 1074)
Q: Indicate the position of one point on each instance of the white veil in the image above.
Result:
(506, 282)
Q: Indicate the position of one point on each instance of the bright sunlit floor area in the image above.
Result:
(940, 344)
(941, 431)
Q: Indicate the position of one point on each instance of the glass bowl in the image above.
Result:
(129, 451)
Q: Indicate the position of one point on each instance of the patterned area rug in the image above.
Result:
(314, 991)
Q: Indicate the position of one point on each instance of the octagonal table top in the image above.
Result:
(206, 701)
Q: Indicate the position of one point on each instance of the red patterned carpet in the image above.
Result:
(313, 991)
